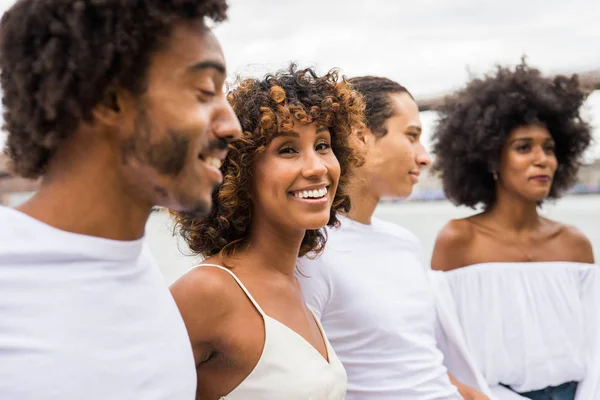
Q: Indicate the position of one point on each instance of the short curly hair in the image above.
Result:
(58, 58)
(264, 108)
(376, 92)
(474, 125)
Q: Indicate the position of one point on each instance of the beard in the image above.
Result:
(165, 153)
(201, 209)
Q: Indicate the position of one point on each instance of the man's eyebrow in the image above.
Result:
(417, 127)
(203, 65)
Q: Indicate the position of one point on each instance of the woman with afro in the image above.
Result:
(252, 334)
(525, 287)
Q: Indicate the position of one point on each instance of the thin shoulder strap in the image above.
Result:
(239, 283)
(318, 322)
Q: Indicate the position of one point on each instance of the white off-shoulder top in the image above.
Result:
(530, 325)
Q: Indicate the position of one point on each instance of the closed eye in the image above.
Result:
(206, 95)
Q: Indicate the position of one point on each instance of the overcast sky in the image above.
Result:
(427, 45)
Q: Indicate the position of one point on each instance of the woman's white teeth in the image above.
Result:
(313, 194)
(214, 161)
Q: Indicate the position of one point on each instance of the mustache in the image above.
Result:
(219, 144)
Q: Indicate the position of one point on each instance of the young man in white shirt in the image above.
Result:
(117, 106)
(370, 287)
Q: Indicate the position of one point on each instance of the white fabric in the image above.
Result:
(289, 367)
(371, 291)
(450, 339)
(503, 393)
(531, 325)
(86, 318)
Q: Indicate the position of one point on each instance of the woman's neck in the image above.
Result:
(271, 248)
(514, 213)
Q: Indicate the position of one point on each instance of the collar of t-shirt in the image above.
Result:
(46, 239)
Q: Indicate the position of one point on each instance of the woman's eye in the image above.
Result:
(524, 147)
(287, 150)
(323, 146)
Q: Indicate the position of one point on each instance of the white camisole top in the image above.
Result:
(289, 367)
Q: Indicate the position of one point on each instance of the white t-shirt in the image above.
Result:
(88, 318)
(370, 290)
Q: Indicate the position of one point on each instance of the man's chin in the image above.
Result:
(203, 207)
(199, 211)
(400, 194)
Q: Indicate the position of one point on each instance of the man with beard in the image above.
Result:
(118, 106)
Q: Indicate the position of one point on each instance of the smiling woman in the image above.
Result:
(283, 181)
(271, 111)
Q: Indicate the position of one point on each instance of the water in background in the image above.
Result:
(424, 219)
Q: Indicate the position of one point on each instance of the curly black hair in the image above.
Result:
(376, 93)
(264, 108)
(58, 58)
(475, 123)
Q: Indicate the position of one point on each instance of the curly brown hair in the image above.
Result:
(475, 123)
(264, 108)
(58, 58)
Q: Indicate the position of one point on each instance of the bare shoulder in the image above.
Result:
(577, 242)
(457, 232)
(451, 243)
(206, 297)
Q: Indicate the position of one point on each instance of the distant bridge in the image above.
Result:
(589, 80)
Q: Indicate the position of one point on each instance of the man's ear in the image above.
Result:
(363, 135)
(360, 132)
(109, 110)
